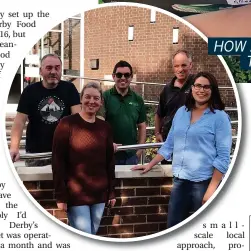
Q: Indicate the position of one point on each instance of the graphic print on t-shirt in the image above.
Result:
(51, 109)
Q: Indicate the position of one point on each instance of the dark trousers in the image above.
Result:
(186, 197)
(166, 162)
(133, 160)
(38, 162)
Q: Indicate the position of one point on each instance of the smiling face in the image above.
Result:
(91, 101)
(201, 91)
(182, 66)
(51, 70)
(122, 78)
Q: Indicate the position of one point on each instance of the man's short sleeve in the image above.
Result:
(142, 113)
(74, 95)
(103, 109)
(161, 106)
(23, 104)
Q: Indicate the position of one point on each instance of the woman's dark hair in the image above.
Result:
(215, 101)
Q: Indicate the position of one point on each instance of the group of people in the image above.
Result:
(190, 119)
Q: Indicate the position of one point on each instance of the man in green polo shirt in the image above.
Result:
(125, 111)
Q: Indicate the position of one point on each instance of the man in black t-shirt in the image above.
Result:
(43, 104)
(174, 94)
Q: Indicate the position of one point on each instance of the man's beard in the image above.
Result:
(52, 83)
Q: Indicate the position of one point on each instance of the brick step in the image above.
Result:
(9, 123)
(8, 131)
(10, 117)
(22, 144)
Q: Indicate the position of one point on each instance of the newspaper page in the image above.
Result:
(90, 37)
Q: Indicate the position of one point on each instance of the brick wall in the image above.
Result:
(151, 51)
(106, 39)
(141, 206)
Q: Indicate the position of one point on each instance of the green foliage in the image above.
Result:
(150, 112)
(240, 76)
(150, 152)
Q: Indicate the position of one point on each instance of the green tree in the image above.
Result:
(240, 75)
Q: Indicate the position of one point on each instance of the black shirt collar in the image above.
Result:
(187, 84)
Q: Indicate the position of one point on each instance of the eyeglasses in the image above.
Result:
(120, 75)
(204, 87)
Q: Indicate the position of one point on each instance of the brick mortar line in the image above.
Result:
(110, 235)
(137, 206)
(132, 224)
(113, 207)
(149, 196)
(148, 205)
(43, 189)
(137, 214)
(128, 215)
(37, 190)
(132, 233)
(119, 215)
(142, 196)
(47, 200)
(125, 215)
(133, 187)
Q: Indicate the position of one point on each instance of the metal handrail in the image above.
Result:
(120, 148)
(35, 155)
(150, 128)
(147, 102)
(111, 80)
(133, 82)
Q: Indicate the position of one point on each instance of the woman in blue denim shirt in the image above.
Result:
(199, 142)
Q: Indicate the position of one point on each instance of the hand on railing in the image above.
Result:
(14, 154)
(111, 203)
(159, 137)
(139, 154)
(119, 147)
(115, 147)
(146, 168)
(62, 206)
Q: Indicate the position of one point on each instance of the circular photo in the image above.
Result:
(120, 125)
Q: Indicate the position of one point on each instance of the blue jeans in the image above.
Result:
(86, 218)
(133, 160)
(186, 197)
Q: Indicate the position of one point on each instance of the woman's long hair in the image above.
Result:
(215, 101)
